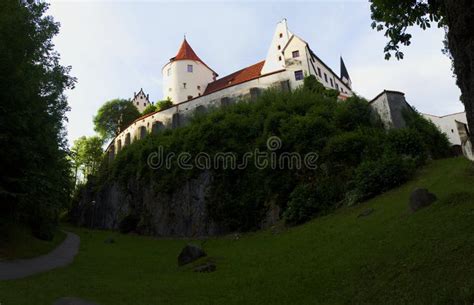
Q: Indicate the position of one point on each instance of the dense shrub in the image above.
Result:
(407, 142)
(436, 143)
(373, 177)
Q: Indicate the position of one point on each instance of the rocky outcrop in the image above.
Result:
(182, 213)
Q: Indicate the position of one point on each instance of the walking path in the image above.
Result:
(62, 256)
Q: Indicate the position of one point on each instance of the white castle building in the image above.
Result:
(194, 86)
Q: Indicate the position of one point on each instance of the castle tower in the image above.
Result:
(185, 76)
(141, 100)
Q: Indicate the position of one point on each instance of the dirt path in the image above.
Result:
(62, 256)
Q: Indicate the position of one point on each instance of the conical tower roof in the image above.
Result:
(185, 52)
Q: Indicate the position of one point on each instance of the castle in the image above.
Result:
(193, 86)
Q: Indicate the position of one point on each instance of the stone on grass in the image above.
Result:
(366, 212)
(207, 267)
(189, 254)
(421, 198)
(109, 240)
(72, 301)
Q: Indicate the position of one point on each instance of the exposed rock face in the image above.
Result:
(182, 213)
(189, 254)
(421, 198)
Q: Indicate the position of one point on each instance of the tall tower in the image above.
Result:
(185, 76)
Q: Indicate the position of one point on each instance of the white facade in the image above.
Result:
(185, 79)
(141, 100)
(274, 60)
(449, 124)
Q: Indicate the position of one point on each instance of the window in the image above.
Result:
(331, 83)
(337, 86)
(138, 103)
(296, 54)
(281, 35)
(279, 47)
(169, 71)
(199, 87)
(169, 89)
(279, 58)
(184, 85)
(144, 104)
(299, 75)
(325, 77)
(190, 68)
(190, 97)
(319, 72)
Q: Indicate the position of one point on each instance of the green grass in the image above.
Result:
(389, 257)
(16, 241)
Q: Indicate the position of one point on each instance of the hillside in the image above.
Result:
(392, 256)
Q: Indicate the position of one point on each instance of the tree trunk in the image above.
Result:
(460, 21)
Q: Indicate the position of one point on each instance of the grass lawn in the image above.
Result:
(389, 257)
(17, 242)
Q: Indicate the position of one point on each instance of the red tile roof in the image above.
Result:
(241, 76)
(185, 52)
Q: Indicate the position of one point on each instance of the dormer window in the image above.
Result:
(190, 68)
(295, 54)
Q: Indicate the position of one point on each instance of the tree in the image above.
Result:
(149, 109)
(456, 16)
(87, 155)
(161, 105)
(114, 116)
(35, 180)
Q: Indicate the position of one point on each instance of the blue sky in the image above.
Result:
(116, 48)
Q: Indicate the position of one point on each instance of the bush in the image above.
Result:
(373, 177)
(436, 143)
(407, 142)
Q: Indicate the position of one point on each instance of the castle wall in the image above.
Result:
(447, 124)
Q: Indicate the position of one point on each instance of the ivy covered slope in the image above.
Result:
(358, 158)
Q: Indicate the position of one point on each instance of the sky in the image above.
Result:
(116, 48)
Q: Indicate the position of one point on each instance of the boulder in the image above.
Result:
(72, 301)
(207, 267)
(109, 240)
(189, 254)
(366, 212)
(421, 198)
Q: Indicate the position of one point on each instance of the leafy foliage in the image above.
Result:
(396, 16)
(35, 183)
(161, 105)
(113, 116)
(87, 155)
(149, 109)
